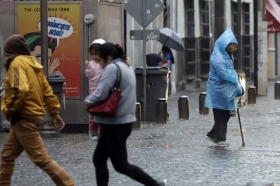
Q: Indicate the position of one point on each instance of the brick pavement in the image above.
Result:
(177, 151)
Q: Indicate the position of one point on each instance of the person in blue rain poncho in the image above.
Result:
(223, 87)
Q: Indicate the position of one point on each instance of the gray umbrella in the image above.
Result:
(170, 39)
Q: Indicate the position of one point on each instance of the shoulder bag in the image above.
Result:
(109, 106)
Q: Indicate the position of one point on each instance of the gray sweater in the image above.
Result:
(126, 106)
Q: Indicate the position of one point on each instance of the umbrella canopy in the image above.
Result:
(170, 39)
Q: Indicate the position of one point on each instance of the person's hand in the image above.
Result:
(54, 64)
(243, 91)
(11, 114)
(58, 123)
(127, 62)
(86, 63)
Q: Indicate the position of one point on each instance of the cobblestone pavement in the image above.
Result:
(177, 151)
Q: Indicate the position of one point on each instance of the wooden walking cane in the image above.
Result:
(243, 143)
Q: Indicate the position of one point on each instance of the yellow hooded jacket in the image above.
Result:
(26, 91)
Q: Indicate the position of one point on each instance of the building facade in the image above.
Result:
(198, 22)
(69, 39)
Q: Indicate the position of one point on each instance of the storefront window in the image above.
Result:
(189, 19)
(204, 17)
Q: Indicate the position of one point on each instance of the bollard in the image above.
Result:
(161, 112)
(203, 110)
(277, 90)
(260, 183)
(183, 106)
(252, 94)
(137, 123)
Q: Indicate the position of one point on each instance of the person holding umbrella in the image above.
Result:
(168, 59)
(223, 87)
(169, 39)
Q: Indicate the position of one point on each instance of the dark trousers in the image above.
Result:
(219, 130)
(112, 144)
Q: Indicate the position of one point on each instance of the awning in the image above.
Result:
(272, 16)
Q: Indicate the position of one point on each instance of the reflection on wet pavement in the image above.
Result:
(177, 151)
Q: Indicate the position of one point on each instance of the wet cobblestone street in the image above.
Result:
(176, 151)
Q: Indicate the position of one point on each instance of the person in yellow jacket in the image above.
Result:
(26, 91)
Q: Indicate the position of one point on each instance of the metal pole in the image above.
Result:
(161, 112)
(183, 107)
(256, 44)
(239, 38)
(243, 143)
(89, 40)
(252, 95)
(144, 61)
(203, 110)
(44, 35)
(277, 90)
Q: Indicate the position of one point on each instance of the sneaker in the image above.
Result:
(162, 183)
(210, 139)
(232, 113)
(221, 144)
(90, 134)
(94, 138)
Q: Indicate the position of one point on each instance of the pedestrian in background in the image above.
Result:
(93, 72)
(223, 87)
(116, 129)
(26, 91)
(167, 60)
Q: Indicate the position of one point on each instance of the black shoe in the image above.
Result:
(232, 113)
(210, 139)
(162, 183)
(221, 144)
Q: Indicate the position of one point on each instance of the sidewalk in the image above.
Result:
(178, 150)
(191, 87)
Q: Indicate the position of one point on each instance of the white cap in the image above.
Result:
(99, 41)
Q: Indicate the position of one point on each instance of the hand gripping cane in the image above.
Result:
(243, 143)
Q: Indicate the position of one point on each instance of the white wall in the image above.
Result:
(177, 23)
(251, 18)
(228, 20)
(262, 57)
(181, 18)
(135, 47)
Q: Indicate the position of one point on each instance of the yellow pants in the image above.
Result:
(26, 136)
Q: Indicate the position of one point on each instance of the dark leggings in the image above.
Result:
(219, 130)
(112, 144)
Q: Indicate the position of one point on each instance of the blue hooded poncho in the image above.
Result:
(223, 85)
